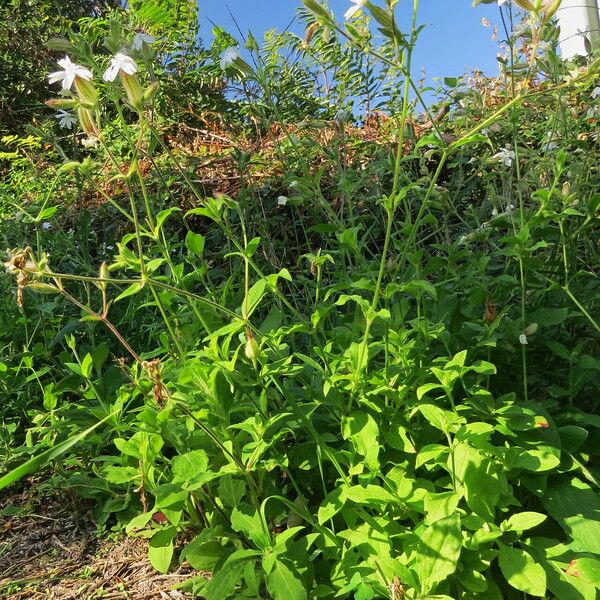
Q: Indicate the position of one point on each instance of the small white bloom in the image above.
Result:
(69, 72)
(595, 93)
(89, 142)
(523, 339)
(282, 200)
(494, 212)
(120, 62)
(66, 119)
(140, 39)
(46, 226)
(351, 12)
(505, 157)
(228, 57)
(294, 184)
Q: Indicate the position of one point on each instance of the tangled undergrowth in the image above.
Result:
(312, 354)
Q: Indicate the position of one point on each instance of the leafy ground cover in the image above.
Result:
(301, 331)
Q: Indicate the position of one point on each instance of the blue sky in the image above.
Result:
(453, 42)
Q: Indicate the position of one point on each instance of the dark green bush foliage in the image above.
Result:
(317, 353)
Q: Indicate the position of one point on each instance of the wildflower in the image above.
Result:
(125, 67)
(229, 57)
(523, 339)
(65, 119)
(294, 184)
(282, 200)
(505, 157)
(353, 10)
(120, 63)
(140, 39)
(46, 226)
(69, 74)
(595, 93)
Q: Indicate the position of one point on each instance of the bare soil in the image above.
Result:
(49, 548)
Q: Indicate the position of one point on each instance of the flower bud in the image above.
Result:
(133, 89)
(64, 103)
(86, 119)
(251, 350)
(86, 92)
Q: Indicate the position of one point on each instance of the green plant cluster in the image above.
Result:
(369, 370)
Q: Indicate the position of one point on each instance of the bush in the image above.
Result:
(315, 355)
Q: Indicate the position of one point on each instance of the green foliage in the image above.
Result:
(369, 369)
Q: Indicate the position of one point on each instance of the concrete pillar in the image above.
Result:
(579, 22)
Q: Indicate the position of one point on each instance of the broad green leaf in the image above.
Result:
(522, 572)
(330, 506)
(585, 568)
(283, 583)
(575, 506)
(195, 243)
(525, 520)
(247, 520)
(187, 466)
(438, 552)
(362, 430)
(204, 555)
(134, 288)
(160, 549)
(434, 415)
(370, 494)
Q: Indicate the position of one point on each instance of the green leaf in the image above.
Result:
(434, 415)
(370, 494)
(187, 466)
(225, 580)
(525, 520)
(575, 506)
(585, 568)
(247, 520)
(522, 572)
(332, 504)
(195, 243)
(438, 552)
(203, 555)
(362, 430)
(86, 366)
(134, 288)
(160, 549)
(283, 583)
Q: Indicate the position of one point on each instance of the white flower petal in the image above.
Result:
(282, 200)
(358, 5)
(523, 339)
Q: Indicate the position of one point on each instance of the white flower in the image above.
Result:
(595, 93)
(505, 157)
(65, 119)
(294, 184)
(229, 57)
(358, 5)
(282, 200)
(120, 62)
(140, 39)
(89, 142)
(69, 73)
(46, 225)
(523, 339)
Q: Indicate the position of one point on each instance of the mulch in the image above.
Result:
(49, 548)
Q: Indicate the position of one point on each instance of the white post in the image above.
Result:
(579, 22)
